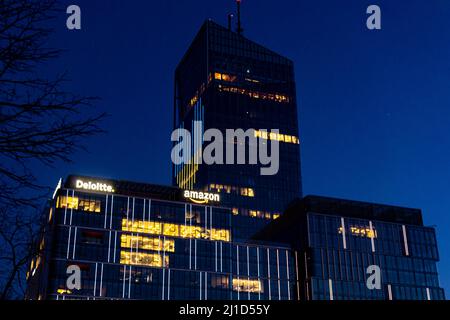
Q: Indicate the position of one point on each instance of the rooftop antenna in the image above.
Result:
(239, 27)
(230, 17)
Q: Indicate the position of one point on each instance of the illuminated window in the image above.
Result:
(143, 259)
(220, 235)
(191, 232)
(89, 205)
(279, 137)
(224, 77)
(63, 291)
(140, 226)
(253, 213)
(256, 95)
(218, 281)
(50, 215)
(275, 216)
(244, 285)
(67, 202)
(145, 243)
(171, 230)
(235, 211)
(361, 231)
(175, 230)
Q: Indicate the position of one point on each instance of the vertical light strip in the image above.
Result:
(195, 254)
(106, 211)
(168, 284)
(111, 212)
(428, 294)
(129, 283)
(132, 212)
(206, 219)
(67, 203)
(200, 274)
(221, 261)
(95, 280)
(405, 240)
(372, 237)
(278, 275)
(101, 281)
(115, 246)
(344, 240)
(206, 285)
(71, 209)
(123, 284)
(210, 220)
(330, 285)
(74, 242)
(164, 278)
(68, 242)
(215, 256)
(389, 292)
(143, 211)
(287, 274)
(109, 246)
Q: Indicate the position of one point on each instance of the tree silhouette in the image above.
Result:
(40, 122)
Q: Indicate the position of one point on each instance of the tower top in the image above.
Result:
(239, 27)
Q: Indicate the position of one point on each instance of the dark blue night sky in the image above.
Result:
(374, 105)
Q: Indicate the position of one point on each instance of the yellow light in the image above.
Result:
(143, 259)
(361, 231)
(275, 216)
(244, 285)
(63, 291)
(145, 243)
(67, 202)
(175, 230)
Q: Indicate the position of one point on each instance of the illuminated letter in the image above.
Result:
(74, 280)
(273, 160)
(79, 184)
(374, 280)
(186, 193)
(215, 147)
(74, 20)
(198, 147)
(181, 152)
(239, 137)
(374, 21)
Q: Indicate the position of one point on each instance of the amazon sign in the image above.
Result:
(200, 197)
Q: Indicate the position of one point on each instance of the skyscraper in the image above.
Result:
(229, 82)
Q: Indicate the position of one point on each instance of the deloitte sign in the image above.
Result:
(93, 186)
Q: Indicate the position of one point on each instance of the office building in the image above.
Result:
(140, 241)
(338, 240)
(229, 82)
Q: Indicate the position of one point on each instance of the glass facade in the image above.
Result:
(406, 255)
(336, 241)
(229, 82)
(131, 247)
